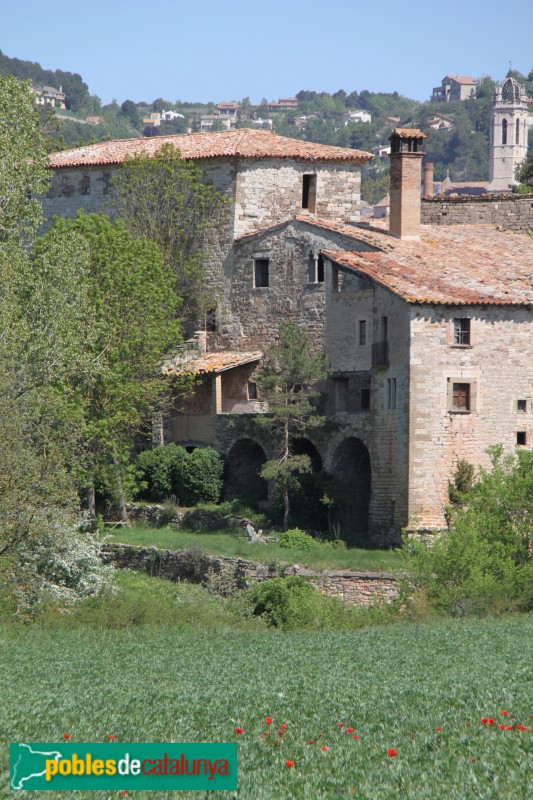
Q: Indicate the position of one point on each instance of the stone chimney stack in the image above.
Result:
(428, 179)
(405, 178)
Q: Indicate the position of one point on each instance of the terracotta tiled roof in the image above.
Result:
(204, 363)
(461, 78)
(244, 143)
(353, 230)
(450, 265)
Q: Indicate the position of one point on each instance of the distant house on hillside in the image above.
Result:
(228, 109)
(50, 96)
(454, 88)
(440, 122)
(356, 116)
(169, 116)
(283, 104)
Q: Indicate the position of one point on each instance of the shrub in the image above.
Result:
(199, 479)
(484, 563)
(191, 477)
(296, 539)
(159, 468)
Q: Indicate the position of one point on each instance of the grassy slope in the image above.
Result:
(393, 685)
(234, 544)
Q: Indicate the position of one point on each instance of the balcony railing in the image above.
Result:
(380, 354)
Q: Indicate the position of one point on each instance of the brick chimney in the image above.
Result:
(428, 179)
(405, 178)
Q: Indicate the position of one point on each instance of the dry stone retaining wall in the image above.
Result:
(512, 212)
(353, 588)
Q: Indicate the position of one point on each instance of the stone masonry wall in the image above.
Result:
(512, 212)
(497, 366)
(353, 588)
(270, 190)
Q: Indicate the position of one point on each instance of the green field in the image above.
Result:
(393, 685)
(233, 543)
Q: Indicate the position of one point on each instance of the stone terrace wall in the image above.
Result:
(353, 588)
(512, 212)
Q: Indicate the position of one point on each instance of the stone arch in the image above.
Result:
(351, 466)
(243, 464)
(303, 446)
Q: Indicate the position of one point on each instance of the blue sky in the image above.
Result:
(216, 50)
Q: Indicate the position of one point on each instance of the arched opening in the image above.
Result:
(304, 447)
(351, 467)
(504, 131)
(242, 479)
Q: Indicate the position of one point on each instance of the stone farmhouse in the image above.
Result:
(428, 329)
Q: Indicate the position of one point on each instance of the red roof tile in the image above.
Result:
(450, 265)
(204, 363)
(244, 143)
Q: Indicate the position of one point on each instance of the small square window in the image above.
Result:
(362, 331)
(521, 405)
(252, 390)
(461, 331)
(461, 396)
(261, 270)
(521, 437)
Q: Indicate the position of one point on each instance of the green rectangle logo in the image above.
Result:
(120, 766)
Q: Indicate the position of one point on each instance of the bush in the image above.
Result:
(190, 477)
(484, 563)
(296, 539)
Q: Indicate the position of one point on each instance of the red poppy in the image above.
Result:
(341, 724)
(484, 721)
(521, 728)
(491, 721)
(350, 730)
(284, 727)
(505, 713)
(268, 720)
(392, 752)
(238, 730)
(324, 747)
(355, 737)
(66, 736)
(289, 763)
(437, 729)
(281, 732)
(501, 727)
(111, 737)
(508, 727)
(311, 741)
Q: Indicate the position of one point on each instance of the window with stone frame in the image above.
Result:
(261, 273)
(521, 405)
(461, 399)
(521, 438)
(252, 390)
(362, 331)
(461, 331)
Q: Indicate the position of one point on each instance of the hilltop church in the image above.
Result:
(427, 330)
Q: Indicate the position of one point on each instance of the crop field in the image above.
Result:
(388, 712)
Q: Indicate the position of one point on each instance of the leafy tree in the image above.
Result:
(165, 199)
(131, 112)
(524, 173)
(289, 384)
(130, 291)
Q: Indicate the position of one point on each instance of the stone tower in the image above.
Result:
(508, 134)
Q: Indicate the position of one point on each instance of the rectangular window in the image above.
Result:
(211, 319)
(252, 390)
(521, 405)
(320, 269)
(341, 395)
(362, 331)
(461, 331)
(461, 396)
(521, 438)
(261, 269)
(391, 393)
(384, 329)
(309, 192)
(365, 399)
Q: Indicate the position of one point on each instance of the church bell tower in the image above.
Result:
(508, 134)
